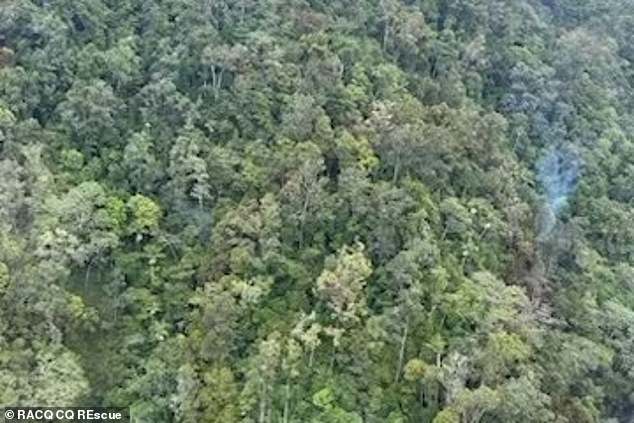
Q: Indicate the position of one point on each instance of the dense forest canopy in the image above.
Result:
(311, 211)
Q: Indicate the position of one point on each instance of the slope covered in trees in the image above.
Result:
(319, 211)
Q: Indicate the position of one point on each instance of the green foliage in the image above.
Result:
(4, 278)
(414, 369)
(331, 413)
(146, 214)
(318, 211)
(342, 282)
(447, 416)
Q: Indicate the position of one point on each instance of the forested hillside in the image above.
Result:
(319, 211)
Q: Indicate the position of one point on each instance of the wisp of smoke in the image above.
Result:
(558, 174)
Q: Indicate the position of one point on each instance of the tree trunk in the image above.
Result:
(401, 354)
(386, 29)
(262, 417)
(310, 358)
(397, 169)
(287, 401)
